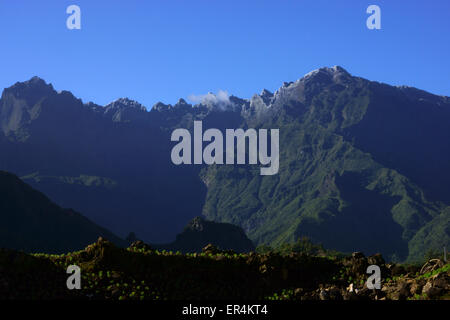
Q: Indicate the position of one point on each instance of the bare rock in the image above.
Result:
(416, 287)
(430, 290)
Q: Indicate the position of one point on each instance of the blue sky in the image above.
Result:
(161, 50)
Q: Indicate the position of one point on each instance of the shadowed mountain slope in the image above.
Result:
(29, 221)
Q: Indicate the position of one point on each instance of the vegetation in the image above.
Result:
(343, 181)
(141, 273)
(303, 246)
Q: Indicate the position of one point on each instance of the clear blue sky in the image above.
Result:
(161, 50)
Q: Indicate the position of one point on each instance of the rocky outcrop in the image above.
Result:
(200, 234)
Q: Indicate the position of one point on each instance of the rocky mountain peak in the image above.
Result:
(181, 101)
(196, 224)
(30, 90)
(266, 96)
(124, 103)
(311, 84)
(325, 73)
(35, 81)
(125, 110)
(159, 106)
(265, 92)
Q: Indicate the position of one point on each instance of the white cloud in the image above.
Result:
(221, 99)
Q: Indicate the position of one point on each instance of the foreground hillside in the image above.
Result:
(138, 273)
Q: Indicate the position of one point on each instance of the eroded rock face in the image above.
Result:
(210, 248)
(430, 290)
(376, 259)
(437, 285)
(357, 263)
(442, 280)
(399, 282)
(416, 287)
(401, 291)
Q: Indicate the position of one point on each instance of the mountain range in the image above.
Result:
(363, 165)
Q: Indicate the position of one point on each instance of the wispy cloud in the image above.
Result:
(221, 99)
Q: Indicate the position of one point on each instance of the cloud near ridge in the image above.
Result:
(220, 99)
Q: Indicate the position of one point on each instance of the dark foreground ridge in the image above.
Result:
(140, 273)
